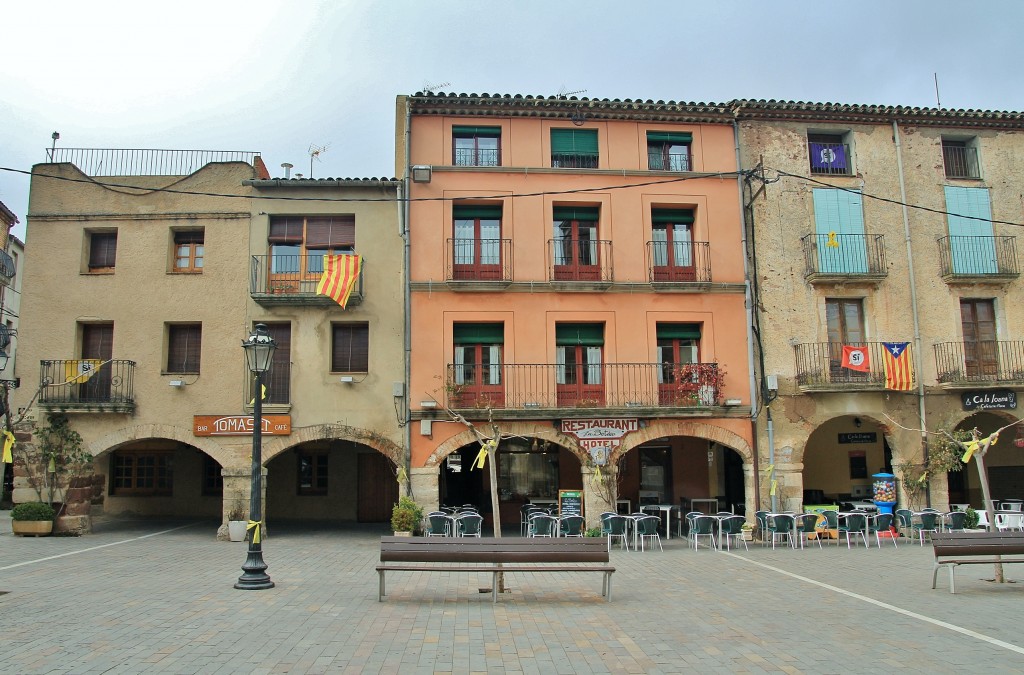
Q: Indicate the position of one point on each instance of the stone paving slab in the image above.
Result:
(157, 597)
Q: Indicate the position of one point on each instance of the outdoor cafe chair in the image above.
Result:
(543, 525)
(832, 522)
(781, 525)
(438, 524)
(647, 528)
(882, 523)
(730, 528)
(807, 524)
(469, 525)
(954, 521)
(928, 521)
(618, 526)
(703, 526)
(905, 522)
(762, 525)
(1009, 520)
(1014, 505)
(525, 512)
(855, 524)
(570, 526)
(688, 518)
(604, 522)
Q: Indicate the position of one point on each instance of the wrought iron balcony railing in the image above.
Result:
(679, 261)
(580, 260)
(477, 157)
(844, 255)
(674, 161)
(993, 361)
(292, 280)
(609, 385)
(960, 162)
(144, 162)
(978, 257)
(575, 160)
(478, 260)
(87, 385)
(829, 158)
(820, 365)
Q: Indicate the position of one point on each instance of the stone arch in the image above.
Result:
(126, 435)
(663, 428)
(539, 430)
(275, 445)
(884, 428)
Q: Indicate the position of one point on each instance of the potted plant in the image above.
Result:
(405, 517)
(32, 519)
(237, 521)
(747, 532)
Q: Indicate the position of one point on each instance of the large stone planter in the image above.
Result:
(32, 528)
(236, 530)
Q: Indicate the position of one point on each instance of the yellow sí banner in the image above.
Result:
(79, 371)
(253, 525)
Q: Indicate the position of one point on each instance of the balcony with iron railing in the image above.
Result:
(673, 161)
(144, 162)
(844, 258)
(819, 367)
(978, 363)
(476, 157)
(580, 260)
(680, 262)
(87, 385)
(292, 280)
(574, 160)
(992, 259)
(559, 388)
(487, 261)
(960, 162)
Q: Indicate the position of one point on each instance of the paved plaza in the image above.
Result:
(157, 597)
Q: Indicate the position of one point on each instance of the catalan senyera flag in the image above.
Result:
(856, 358)
(79, 372)
(341, 273)
(899, 372)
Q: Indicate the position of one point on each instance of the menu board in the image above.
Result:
(570, 501)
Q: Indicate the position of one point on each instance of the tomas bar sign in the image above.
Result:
(240, 425)
(1002, 399)
(599, 433)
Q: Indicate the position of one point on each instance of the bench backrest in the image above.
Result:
(977, 543)
(491, 549)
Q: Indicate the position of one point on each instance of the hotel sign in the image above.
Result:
(599, 433)
(240, 425)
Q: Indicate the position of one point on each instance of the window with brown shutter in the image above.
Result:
(350, 345)
(183, 347)
(333, 232)
(278, 379)
(102, 251)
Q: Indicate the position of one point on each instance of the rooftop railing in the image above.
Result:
(144, 162)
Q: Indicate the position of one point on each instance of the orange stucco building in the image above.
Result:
(576, 280)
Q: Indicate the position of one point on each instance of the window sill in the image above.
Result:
(99, 271)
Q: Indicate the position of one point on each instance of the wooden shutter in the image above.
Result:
(278, 380)
(189, 237)
(102, 249)
(574, 141)
(98, 341)
(183, 347)
(350, 348)
(286, 230)
(331, 232)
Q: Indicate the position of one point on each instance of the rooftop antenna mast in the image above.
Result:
(314, 153)
(431, 88)
(938, 103)
(578, 117)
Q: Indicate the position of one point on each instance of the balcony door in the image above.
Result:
(477, 252)
(672, 245)
(579, 367)
(575, 244)
(678, 374)
(298, 245)
(972, 246)
(978, 320)
(845, 319)
(839, 232)
(476, 373)
(97, 344)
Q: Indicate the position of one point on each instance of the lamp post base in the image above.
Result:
(254, 577)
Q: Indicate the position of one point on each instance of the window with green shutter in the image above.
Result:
(574, 148)
(476, 146)
(669, 151)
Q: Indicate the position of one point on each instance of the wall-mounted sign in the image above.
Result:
(240, 425)
(1002, 399)
(599, 433)
(859, 437)
(570, 501)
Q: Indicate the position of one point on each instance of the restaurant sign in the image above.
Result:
(240, 425)
(859, 437)
(599, 433)
(1003, 399)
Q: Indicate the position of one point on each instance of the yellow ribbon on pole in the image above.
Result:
(775, 484)
(8, 446)
(972, 448)
(402, 475)
(597, 474)
(255, 535)
(263, 395)
(481, 457)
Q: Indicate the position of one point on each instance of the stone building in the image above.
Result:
(870, 226)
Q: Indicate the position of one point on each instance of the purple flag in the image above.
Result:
(828, 156)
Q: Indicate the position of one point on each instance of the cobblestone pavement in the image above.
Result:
(157, 596)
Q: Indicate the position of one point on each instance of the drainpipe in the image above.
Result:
(748, 303)
(913, 304)
(403, 224)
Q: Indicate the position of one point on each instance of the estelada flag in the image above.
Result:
(341, 272)
(856, 358)
(899, 373)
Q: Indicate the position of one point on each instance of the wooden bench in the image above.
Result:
(484, 554)
(960, 548)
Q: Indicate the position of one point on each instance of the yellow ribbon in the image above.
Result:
(263, 395)
(832, 241)
(52, 467)
(972, 448)
(775, 484)
(402, 475)
(8, 446)
(255, 535)
(597, 474)
(481, 457)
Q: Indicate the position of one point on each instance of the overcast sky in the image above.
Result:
(277, 77)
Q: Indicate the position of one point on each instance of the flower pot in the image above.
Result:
(236, 530)
(403, 534)
(32, 528)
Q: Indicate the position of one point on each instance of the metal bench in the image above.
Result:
(485, 554)
(960, 548)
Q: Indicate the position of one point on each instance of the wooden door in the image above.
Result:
(378, 489)
(98, 344)
(978, 319)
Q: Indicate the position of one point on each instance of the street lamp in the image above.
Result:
(259, 352)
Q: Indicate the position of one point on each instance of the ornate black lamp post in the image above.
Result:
(259, 352)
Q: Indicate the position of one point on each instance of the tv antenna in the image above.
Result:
(564, 93)
(314, 153)
(431, 88)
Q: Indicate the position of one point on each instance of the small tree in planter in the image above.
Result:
(32, 519)
(406, 516)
